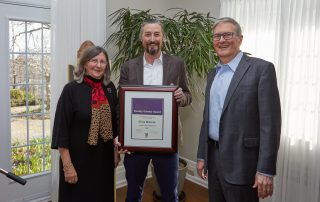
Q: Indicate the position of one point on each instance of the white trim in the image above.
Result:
(41, 197)
(45, 4)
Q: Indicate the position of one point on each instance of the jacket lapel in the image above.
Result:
(166, 69)
(239, 73)
(211, 76)
(139, 70)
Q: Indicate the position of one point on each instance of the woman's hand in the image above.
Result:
(117, 145)
(70, 174)
(117, 157)
(117, 151)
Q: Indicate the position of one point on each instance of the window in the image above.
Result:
(29, 63)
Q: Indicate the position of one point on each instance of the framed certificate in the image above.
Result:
(148, 118)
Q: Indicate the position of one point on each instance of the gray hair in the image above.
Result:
(152, 21)
(88, 55)
(228, 20)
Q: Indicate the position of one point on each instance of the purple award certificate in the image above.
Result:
(148, 118)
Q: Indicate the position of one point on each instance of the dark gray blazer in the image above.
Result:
(174, 72)
(250, 123)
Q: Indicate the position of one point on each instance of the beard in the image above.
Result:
(152, 48)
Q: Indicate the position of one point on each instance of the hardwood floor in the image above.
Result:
(194, 192)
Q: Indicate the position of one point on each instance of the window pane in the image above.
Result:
(39, 125)
(18, 99)
(47, 90)
(20, 161)
(47, 154)
(46, 38)
(17, 65)
(19, 130)
(36, 126)
(36, 156)
(34, 69)
(47, 126)
(46, 68)
(35, 98)
(34, 37)
(30, 96)
(17, 41)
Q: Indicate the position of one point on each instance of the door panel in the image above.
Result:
(22, 71)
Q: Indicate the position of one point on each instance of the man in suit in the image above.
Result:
(154, 68)
(240, 132)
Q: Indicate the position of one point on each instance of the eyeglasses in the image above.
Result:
(226, 36)
(96, 62)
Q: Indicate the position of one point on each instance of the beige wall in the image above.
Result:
(160, 6)
(191, 116)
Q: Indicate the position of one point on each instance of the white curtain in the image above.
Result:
(73, 21)
(287, 32)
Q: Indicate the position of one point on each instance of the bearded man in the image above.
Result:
(154, 68)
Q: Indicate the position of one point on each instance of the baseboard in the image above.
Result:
(41, 197)
(191, 175)
(120, 177)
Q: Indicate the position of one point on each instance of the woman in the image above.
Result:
(84, 128)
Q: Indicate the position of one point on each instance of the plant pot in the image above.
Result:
(181, 177)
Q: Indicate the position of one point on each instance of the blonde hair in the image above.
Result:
(85, 45)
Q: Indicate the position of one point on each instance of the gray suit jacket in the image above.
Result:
(174, 72)
(250, 123)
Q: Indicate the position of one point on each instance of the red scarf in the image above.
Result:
(101, 122)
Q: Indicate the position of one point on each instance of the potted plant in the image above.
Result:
(188, 35)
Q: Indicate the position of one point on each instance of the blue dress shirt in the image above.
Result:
(218, 92)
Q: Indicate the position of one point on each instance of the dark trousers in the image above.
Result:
(166, 170)
(219, 189)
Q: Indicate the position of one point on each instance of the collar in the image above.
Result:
(160, 60)
(233, 64)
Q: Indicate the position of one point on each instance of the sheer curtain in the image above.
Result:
(287, 32)
(73, 22)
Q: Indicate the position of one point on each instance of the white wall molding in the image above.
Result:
(29, 3)
(41, 197)
(73, 21)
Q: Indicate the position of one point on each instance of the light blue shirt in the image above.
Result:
(218, 92)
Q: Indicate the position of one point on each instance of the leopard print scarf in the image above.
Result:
(101, 122)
